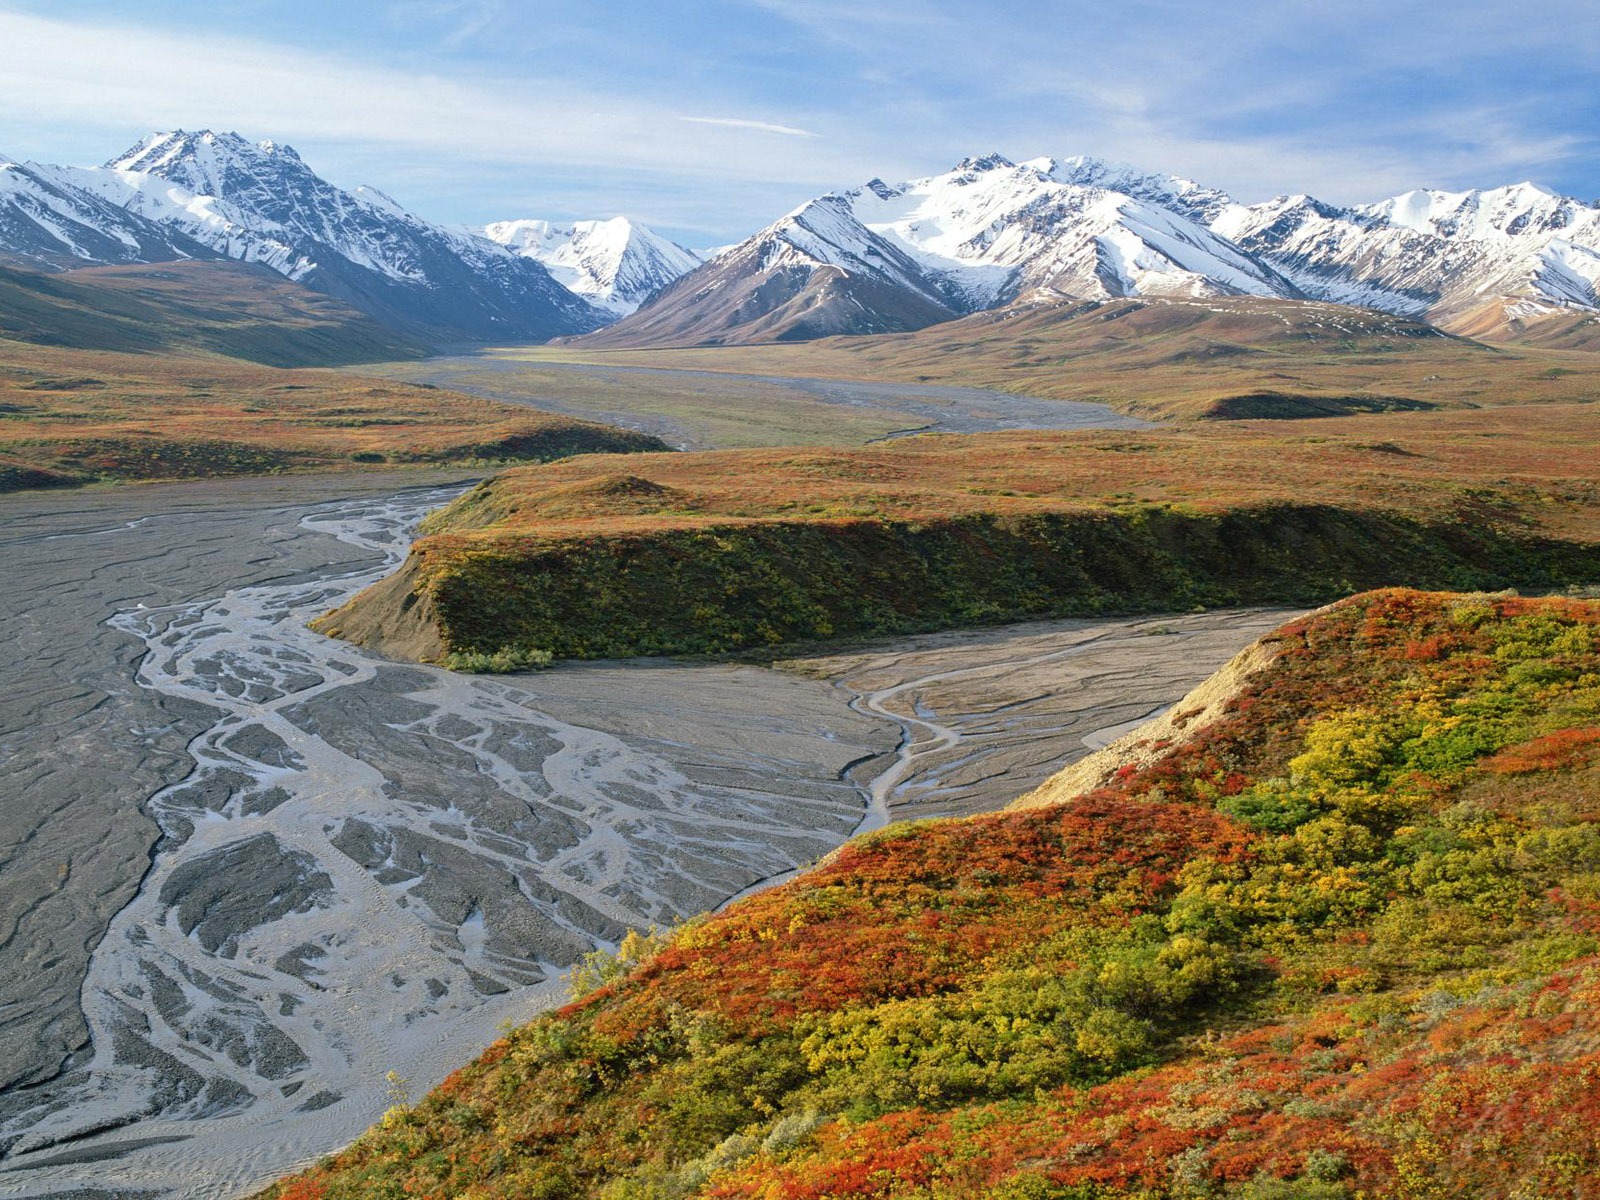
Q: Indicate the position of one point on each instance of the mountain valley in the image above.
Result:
(726, 677)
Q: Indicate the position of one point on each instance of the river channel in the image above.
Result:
(251, 877)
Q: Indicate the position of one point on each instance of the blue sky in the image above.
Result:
(709, 119)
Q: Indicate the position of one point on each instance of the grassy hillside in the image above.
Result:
(234, 309)
(737, 549)
(1342, 941)
(1213, 358)
(74, 416)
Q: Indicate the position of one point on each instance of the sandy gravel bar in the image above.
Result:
(81, 745)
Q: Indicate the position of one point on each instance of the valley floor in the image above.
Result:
(725, 408)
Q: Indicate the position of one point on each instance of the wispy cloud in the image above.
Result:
(1349, 101)
(78, 73)
(461, 21)
(760, 126)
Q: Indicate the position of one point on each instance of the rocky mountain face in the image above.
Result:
(220, 195)
(883, 258)
(1443, 255)
(617, 264)
(46, 221)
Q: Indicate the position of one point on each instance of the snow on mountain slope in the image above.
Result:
(226, 229)
(1443, 254)
(616, 263)
(950, 244)
(872, 259)
(259, 202)
(1520, 210)
(1183, 196)
(991, 230)
(45, 221)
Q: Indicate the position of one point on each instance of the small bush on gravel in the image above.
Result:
(502, 662)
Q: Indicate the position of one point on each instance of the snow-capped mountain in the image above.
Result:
(259, 202)
(1439, 254)
(883, 258)
(616, 264)
(873, 259)
(46, 221)
(1184, 196)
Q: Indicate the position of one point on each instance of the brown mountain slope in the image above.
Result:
(234, 309)
(1529, 323)
(732, 304)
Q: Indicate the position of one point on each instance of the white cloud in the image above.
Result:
(740, 123)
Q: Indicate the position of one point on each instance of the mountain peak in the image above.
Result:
(1091, 169)
(201, 159)
(993, 161)
(614, 262)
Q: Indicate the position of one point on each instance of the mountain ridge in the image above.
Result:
(615, 263)
(990, 232)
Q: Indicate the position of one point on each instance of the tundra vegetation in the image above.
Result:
(739, 550)
(70, 416)
(1342, 941)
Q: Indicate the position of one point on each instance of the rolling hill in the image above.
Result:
(72, 416)
(207, 306)
(1164, 357)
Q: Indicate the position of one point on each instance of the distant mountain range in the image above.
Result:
(182, 195)
(874, 259)
(990, 232)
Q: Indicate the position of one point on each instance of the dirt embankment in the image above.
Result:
(1143, 746)
(395, 617)
(732, 587)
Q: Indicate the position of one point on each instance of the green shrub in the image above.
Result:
(502, 662)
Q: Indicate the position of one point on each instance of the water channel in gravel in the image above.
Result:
(369, 867)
